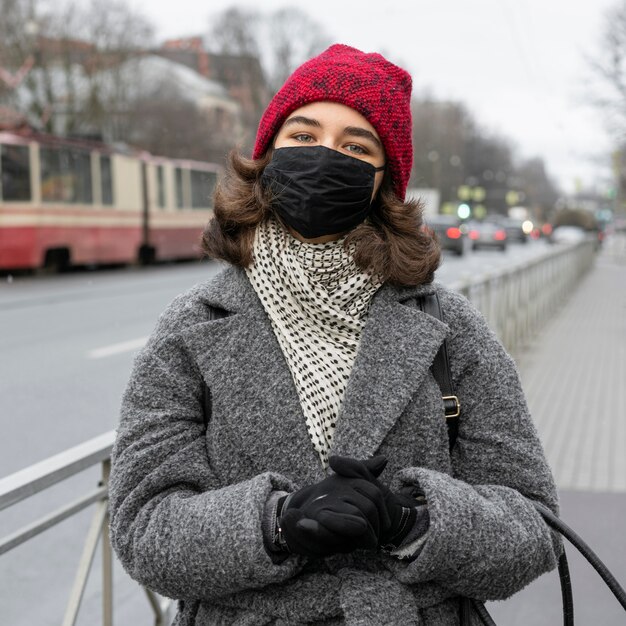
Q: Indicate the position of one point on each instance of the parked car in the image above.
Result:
(567, 234)
(447, 229)
(487, 235)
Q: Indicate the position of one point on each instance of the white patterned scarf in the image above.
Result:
(317, 300)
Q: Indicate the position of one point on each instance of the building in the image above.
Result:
(241, 75)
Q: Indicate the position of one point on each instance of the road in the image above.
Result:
(67, 346)
(57, 390)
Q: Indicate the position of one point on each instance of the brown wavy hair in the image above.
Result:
(391, 243)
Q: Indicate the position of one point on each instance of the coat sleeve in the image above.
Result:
(486, 540)
(174, 530)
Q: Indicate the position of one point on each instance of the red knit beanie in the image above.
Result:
(367, 83)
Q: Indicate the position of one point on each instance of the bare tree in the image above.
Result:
(282, 39)
(294, 37)
(489, 164)
(19, 30)
(452, 150)
(541, 192)
(440, 133)
(177, 128)
(41, 37)
(234, 38)
(114, 33)
(234, 31)
(610, 68)
(17, 34)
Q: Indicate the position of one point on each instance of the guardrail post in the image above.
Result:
(162, 608)
(84, 565)
(99, 529)
(41, 476)
(107, 556)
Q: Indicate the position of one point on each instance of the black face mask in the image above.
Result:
(319, 191)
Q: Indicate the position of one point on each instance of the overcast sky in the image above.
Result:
(519, 65)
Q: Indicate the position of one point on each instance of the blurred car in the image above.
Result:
(567, 234)
(517, 231)
(546, 230)
(487, 235)
(447, 228)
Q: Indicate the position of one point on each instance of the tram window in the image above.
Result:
(160, 187)
(180, 202)
(106, 179)
(15, 169)
(202, 186)
(65, 176)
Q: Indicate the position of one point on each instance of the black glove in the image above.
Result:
(334, 515)
(401, 507)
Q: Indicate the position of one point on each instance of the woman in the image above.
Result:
(281, 509)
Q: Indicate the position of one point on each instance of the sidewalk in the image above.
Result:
(574, 375)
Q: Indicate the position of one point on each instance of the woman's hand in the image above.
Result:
(401, 508)
(337, 514)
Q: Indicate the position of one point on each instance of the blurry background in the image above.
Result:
(524, 97)
(115, 120)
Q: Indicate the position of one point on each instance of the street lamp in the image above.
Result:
(464, 211)
(31, 28)
(14, 80)
(472, 198)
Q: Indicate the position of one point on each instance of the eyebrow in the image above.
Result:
(356, 131)
(352, 131)
(300, 119)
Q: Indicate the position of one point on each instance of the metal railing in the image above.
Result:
(41, 476)
(615, 246)
(516, 302)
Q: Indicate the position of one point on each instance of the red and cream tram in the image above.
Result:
(72, 202)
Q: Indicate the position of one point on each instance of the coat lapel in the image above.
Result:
(254, 395)
(397, 348)
(252, 389)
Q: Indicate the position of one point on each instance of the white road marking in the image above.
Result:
(117, 348)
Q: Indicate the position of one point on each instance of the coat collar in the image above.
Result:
(397, 347)
(231, 290)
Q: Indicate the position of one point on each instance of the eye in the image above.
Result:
(356, 149)
(303, 137)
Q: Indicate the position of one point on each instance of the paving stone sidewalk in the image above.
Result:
(574, 375)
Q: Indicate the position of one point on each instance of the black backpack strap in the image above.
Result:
(441, 370)
(214, 314)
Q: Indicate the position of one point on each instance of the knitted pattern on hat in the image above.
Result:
(367, 83)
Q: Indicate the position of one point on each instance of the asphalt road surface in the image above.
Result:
(67, 344)
(58, 388)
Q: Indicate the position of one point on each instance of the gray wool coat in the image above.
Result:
(187, 504)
